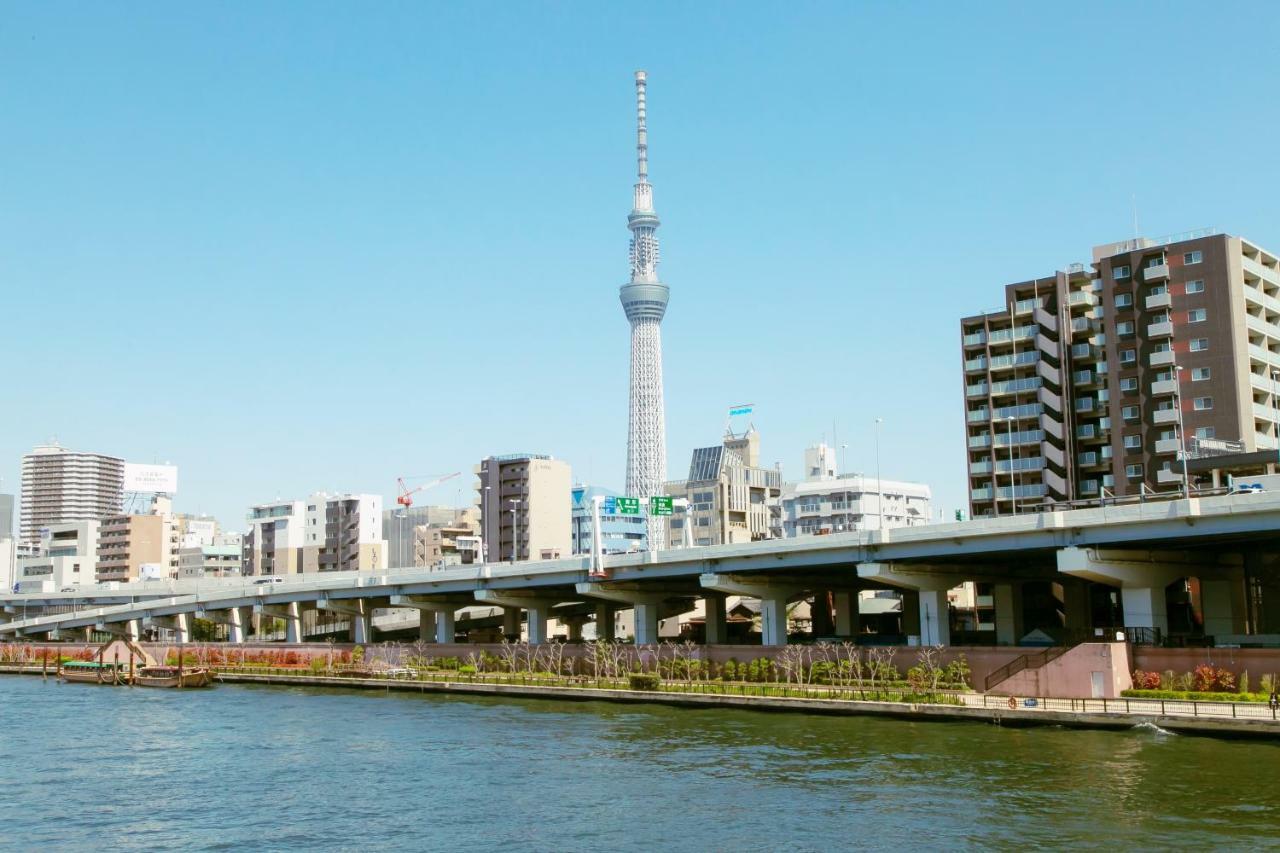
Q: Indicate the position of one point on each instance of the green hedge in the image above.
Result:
(1195, 696)
(643, 681)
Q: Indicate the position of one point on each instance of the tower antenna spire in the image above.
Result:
(642, 133)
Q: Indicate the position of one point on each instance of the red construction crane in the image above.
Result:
(406, 494)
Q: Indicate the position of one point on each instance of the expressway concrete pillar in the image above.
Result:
(1142, 577)
(1008, 601)
(574, 625)
(773, 598)
(645, 607)
(606, 619)
(426, 626)
(358, 613)
(716, 619)
(291, 613)
(1075, 606)
(847, 615)
(933, 611)
(445, 630)
(910, 612)
(438, 613)
(821, 623)
(1224, 607)
(179, 624)
(237, 624)
(537, 609)
(511, 623)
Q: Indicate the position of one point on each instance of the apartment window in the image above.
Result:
(1129, 413)
(1154, 262)
(1129, 383)
(1133, 442)
(1199, 344)
(1191, 257)
(1195, 286)
(1128, 356)
(1133, 472)
(1203, 404)
(1158, 290)
(1124, 300)
(1196, 315)
(1205, 432)
(1125, 328)
(1199, 374)
(1121, 271)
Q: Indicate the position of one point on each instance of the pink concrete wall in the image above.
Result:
(1257, 662)
(1071, 676)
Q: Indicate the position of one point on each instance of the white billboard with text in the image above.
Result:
(150, 478)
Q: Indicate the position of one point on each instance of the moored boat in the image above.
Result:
(95, 672)
(172, 676)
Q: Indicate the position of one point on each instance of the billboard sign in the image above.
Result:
(150, 478)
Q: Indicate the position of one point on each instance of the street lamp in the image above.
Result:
(1013, 491)
(879, 483)
(842, 460)
(1275, 402)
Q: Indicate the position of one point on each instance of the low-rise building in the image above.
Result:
(447, 543)
(728, 497)
(273, 544)
(65, 559)
(133, 547)
(827, 503)
(218, 558)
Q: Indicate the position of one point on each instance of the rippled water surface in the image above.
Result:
(257, 768)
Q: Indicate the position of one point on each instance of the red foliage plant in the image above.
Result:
(1146, 680)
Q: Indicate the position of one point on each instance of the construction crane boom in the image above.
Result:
(405, 498)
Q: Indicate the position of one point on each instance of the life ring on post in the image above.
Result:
(1013, 703)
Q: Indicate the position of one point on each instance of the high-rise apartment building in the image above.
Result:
(6, 516)
(524, 507)
(727, 497)
(1089, 382)
(343, 534)
(61, 485)
(826, 502)
(273, 544)
(134, 547)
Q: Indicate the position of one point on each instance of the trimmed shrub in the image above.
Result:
(644, 680)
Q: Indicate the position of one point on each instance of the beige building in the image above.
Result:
(133, 547)
(218, 558)
(273, 545)
(524, 501)
(730, 498)
(437, 544)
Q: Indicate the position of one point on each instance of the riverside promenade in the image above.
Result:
(1221, 719)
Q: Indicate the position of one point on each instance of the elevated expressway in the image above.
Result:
(1137, 548)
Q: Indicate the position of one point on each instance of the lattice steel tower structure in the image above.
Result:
(644, 299)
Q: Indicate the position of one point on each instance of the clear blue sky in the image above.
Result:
(299, 246)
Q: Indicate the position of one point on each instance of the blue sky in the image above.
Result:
(301, 246)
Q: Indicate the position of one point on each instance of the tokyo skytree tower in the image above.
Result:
(644, 299)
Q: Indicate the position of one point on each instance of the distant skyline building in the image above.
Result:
(61, 485)
(524, 507)
(620, 534)
(728, 496)
(644, 299)
(828, 502)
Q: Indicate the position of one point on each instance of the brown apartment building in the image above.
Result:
(1090, 381)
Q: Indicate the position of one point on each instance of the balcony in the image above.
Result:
(1163, 329)
(1085, 404)
(1087, 459)
(1168, 445)
(978, 415)
(976, 364)
(1164, 386)
(983, 494)
(1265, 412)
(979, 390)
(1082, 297)
(1165, 476)
(1265, 273)
(980, 467)
(1155, 272)
(1160, 358)
(1158, 300)
(979, 441)
(1164, 416)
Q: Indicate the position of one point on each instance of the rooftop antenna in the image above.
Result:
(1133, 201)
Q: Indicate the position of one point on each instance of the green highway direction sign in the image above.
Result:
(659, 506)
(628, 506)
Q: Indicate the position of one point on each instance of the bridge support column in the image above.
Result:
(716, 618)
(179, 624)
(1142, 577)
(847, 615)
(645, 607)
(291, 613)
(930, 589)
(426, 626)
(606, 619)
(235, 618)
(435, 612)
(1075, 603)
(574, 624)
(1008, 601)
(773, 598)
(1224, 609)
(821, 623)
(358, 612)
(909, 614)
(511, 623)
(537, 610)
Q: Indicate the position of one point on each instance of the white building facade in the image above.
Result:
(827, 503)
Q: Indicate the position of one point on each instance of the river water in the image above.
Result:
(240, 767)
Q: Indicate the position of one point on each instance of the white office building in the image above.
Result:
(829, 503)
